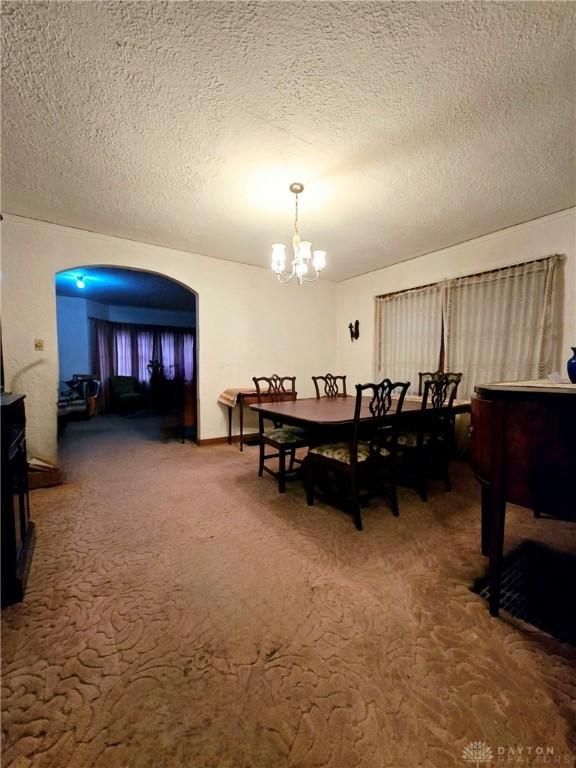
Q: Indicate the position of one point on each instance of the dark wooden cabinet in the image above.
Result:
(17, 528)
(523, 452)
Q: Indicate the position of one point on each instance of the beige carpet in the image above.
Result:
(181, 613)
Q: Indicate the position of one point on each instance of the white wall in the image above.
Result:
(534, 240)
(96, 309)
(73, 336)
(248, 323)
(146, 316)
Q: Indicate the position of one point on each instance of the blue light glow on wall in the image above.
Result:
(116, 285)
(96, 279)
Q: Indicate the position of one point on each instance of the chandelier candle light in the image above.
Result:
(306, 265)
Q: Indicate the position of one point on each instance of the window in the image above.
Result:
(125, 349)
(493, 326)
(408, 334)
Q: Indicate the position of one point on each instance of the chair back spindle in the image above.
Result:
(276, 388)
(425, 376)
(440, 392)
(329, 385)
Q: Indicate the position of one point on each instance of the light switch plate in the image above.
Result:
(39, 345)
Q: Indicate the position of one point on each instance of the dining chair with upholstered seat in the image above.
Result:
(432, 441)
(371, 448)
(285, 440)
(329, 385)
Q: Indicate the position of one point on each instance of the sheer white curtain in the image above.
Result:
(499, 326)
(408, 334)
(188, 356)
(145, 353)
(123, 352)
(168, 353)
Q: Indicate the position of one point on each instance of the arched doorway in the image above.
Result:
(127, 348)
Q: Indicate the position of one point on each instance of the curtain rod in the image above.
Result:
(471, 274)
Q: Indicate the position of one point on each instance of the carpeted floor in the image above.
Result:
(181, 613)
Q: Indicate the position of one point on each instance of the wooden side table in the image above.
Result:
(237, 397)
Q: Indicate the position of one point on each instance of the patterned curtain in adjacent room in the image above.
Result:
(125, 349)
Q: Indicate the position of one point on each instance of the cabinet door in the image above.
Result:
(20, 487)
(541, 455)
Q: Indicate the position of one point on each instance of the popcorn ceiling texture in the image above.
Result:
(413, 125)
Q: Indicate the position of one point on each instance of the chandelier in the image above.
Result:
(306, 264)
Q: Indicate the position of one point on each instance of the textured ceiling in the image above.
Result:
(126, 287)
(413, 125)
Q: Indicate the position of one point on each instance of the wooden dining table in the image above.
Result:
(319, 414)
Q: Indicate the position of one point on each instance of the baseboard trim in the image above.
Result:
(222, 440)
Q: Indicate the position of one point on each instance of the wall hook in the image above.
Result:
(354, 329)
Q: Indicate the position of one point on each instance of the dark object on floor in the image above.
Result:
(17, 528)
(43, 478)
(538, 587)
(179, 409)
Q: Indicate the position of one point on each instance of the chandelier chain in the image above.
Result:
(296, 215)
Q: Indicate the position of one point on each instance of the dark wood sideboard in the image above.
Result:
(17, 528)
(523, 452)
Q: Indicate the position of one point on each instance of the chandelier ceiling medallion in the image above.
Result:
(306, 265)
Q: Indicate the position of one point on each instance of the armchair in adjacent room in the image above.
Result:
(126, 394)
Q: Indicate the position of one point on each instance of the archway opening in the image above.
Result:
(127, 351)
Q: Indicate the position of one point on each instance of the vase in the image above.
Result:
(572, 366)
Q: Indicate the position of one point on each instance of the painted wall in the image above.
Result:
(534, 240)
(73, 336)
(73, 325)
(96, 309)
(145, 316)
(248, 323)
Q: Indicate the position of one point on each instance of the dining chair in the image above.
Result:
(431, 442)
(330, 385)
(371, 448)
(425, 376)
(285, 440)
